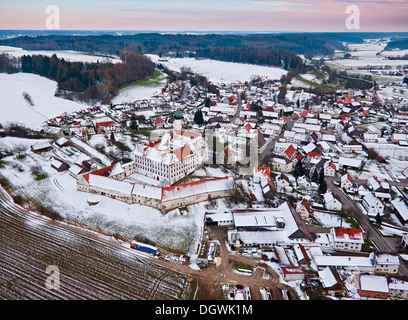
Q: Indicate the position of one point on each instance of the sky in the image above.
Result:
(207, 15)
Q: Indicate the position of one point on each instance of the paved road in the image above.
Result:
(364, 222)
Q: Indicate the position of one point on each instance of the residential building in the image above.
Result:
(329, 169)
(373, 205)
(401, 210)
(372, 286)
(281, 164)
(386, 262)
(303, 208)
(332, 202)
(398, 287)
(347, 239)
(346, 181)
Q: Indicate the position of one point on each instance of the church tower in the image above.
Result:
(178, 120)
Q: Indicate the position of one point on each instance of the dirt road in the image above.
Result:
(93, 267)
(212, 277)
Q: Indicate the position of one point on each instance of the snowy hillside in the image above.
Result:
(220, 71)
(73, 56)
(14, 108)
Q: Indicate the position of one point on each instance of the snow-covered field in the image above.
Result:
(174, 230)
(330, 220)
(220, 71)
(136, 92)
(14, 108)
(366, 54)
(74, 56)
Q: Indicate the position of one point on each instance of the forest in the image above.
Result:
(84, 81)
(261, 56)
(397, 44)
(211, 46)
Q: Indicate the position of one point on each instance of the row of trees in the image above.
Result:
(87, 81)
(261, 56)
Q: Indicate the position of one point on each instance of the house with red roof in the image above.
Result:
(303, 208)
(347, 238)
(290, 152)
(105, 126)
(159, 123)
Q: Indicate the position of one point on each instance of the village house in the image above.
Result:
(281, 164)
(331, 281)
(303, 208)
(387, 263)
(347, 239)
(401, 210)
(330, 169)
(346, 181)
(283, 183)
(373, 286)
(398, 287)
(332, 202)
(373, 205)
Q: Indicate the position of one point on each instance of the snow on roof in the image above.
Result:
(309, 148)
(327, 278)
(76, 169)
(56, 163)
(397, 284)
(116, 169)
(197, 187)
(257, 218)
(348, 235)
(41, 145)
(387, 258)
(370, 198)
(373, 283)
(216, 217)
(401, 207)
(110, 184)
(328, 196)
(351, 162)
(61, 141)
(292, 270)
(342, 261)
(148, 191)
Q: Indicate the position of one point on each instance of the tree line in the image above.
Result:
(84, 81)
(261, 56)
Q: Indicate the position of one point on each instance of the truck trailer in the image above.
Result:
(144, 247)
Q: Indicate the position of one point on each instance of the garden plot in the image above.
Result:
(395, 155)
(330, 220)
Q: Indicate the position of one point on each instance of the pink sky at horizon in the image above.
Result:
(210, 15)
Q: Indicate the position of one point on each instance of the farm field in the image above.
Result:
(90, 267)
(14, 108)
(220, 71)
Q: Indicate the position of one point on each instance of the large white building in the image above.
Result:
(172, 157)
